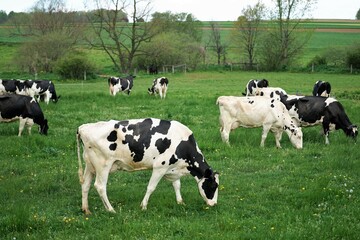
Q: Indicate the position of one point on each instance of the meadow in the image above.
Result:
(265, 193)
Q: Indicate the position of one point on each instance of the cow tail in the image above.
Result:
(80, 171)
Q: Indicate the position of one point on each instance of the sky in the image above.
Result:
(211, 10)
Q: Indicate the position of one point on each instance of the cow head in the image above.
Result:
(43, 128)
(296, 138)
(209, 186)
(352, 131)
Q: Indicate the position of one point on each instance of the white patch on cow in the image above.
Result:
(330, 100)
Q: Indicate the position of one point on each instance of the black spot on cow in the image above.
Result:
(140, 138)
(117, 125)
(262, 94)
(163, 163)
(271, 94)
(187, 151)
(173, 160)
(113, 146)
(272, 101)
(162, 144)
(272, 105)
(251, 102)
(112, 136)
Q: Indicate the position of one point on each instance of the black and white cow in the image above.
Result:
(159, 86)
(121, 84)
(167, 147)
(12, 86)
(43, 89)
(251, 112)
(315, 110)
(24, 108)
(322, 88)
(253, 84)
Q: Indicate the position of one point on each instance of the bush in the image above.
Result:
(317, 61)
(353, 57)
(75, 66)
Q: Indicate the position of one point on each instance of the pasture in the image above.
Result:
(265, 193)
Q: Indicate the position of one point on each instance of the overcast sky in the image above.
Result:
(220, 10)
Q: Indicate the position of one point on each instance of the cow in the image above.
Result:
(251, 112)
(315, 110)
(165, 146)
(121, 84)
(12, 86)
(268, 91)
(24, 108)
(322, 88)
(253, 84)
(43, 89)
(160, 86)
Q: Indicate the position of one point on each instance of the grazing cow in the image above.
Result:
(120, 84)
(12, 86)
(322, 88)
(159, 86)
(313, 110)
(167, 147)
(253, 84)
(24, 108)
(252, 112)
(43, 89)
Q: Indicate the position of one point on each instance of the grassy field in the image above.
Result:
(265, 193)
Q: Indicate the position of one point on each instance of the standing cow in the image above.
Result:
(251, 112)
(24, 108)
(312, 110)
(322, 88)
(159, 86)
(254, 84)
(123, 84)
(167, 147)
(42, 89)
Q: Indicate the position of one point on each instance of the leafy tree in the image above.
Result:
(353, 56)
(121, 40)
(52, 31)
(246, 30)
(170, 49)
(3, 16)
(180, 22)
(358, 14)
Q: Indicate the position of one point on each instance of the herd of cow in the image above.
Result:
(167, 146)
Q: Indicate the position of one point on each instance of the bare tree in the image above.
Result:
(287, 39)
(216, 43)
(246, 30)
(118, 38)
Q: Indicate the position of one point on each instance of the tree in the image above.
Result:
(246, 30)
(286, 38)
(3, 16)
(215, 42)
(180, 22)
(51, 30)
(358, 14)
(121, 40)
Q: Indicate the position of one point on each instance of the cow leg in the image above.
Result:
(100, 185)
(265, 132)
(278, 135)
(22, 123)
(177, 185)
(85, 186)
(326, 128)
(154, 180)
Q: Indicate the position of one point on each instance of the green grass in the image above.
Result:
(264, 193)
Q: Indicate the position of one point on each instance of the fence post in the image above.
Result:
(312, 67)
(351, 69)
(85, 75)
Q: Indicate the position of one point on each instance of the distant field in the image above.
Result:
(327, 34)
